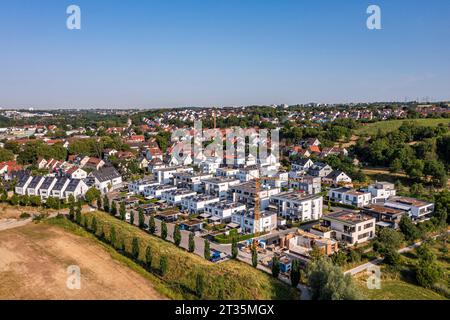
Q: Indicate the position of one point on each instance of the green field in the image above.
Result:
(226, 280)
(392, 125)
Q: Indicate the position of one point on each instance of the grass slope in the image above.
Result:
(230, 279)
(392, 125)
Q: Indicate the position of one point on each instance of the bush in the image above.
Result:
(427, 274)
(163, 265)
(24, 215)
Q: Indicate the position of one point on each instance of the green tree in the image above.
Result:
(275, 267)
(234, 248)
(141, 218)
(339, 258)
(191, 244)
(176, 235)
(152, 225)
(295, 273)
(254, 257)
(428, 273)
(390, 238)
(6, 155)
(94, 225)
(71, 211)
(92, 194)
(408, 229)
(99, 202)
(207, 250)
(112, 236)
(135, 248)
(148, 258)
(327, 282)
(132, 217)
(122, 211)
(199, 285)
(163, 230)
(78, 215)
(392, 257)
(106, 206)
(163, 265)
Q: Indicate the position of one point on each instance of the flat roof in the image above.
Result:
(349, 216)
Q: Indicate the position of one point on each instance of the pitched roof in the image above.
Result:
(106, 174)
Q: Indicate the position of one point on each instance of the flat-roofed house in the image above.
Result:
(298, 206)
(175, 197)
(224, 210)
(246, 220)
(381, 191)
(385, 216)
(348, 226)
(415, 208)
(308, 184)
(349, 196)
(246, 193)
(219, 186)
(303, 243)
(196, 204)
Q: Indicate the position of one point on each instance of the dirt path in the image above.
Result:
(34, 260)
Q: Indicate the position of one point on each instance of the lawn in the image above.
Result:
(392, 125)
(398, 290)
(230, 279)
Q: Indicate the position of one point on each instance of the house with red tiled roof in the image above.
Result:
(94, 163)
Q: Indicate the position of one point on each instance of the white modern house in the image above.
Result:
(21, 186)
(298, 206)
(46, 187)
(175, 197)
(224, 210)
(246, 193)
(156, 192)
(347, 226)
(196, 204)
(246, 221)
(219, 186)
(138, 187)
(227, 172)
(248, 173)
(306, 184)
(60, 187)
(381, 191)
(34, 185)
(349, 196)
(77, 188)
(415, 208)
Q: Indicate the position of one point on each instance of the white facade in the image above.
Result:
(415, 208)
(381, 191)
(156, 192)
(219, 186)
(246, 220)
(175, 197)
(350, 197)
(295, 205)
(197, 204)
(224, 210)
(138, 187)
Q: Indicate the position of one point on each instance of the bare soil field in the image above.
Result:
(10, 212)
(34, 261)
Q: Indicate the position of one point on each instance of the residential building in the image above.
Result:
(415, 208)
(165, 175)
(347, 226)
(307, 184)
(385, 217)
(175, 197)
(350, 197)
(196, 204)
(156, 192)
(106, 179)
(319, 169)
(337, 177)
(246, 220)
(34, 185)
(227, 172)
(246, 193)
(46, 187)
(298, 206)
(224, 210)
(76, 188)
(248, 173)
(301, 165)
(302, 243)
(190, 180)
(138, 187)
(22, 184)
(381, 191)
(219, 186)
(59, 188)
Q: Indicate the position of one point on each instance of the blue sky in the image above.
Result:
(173, 53)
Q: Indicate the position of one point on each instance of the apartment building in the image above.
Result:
(298, 206)
(246, 221)
(219, 186)
(175, 197)
(308, 184)
(196, 204)
(165, 175)
(227, 172)
(246, 193)
(138, 187)
(156, 192)
(188, 180)
(224, 210)
(349, 196)
(347, 226)
(248, 173)
(385, 217)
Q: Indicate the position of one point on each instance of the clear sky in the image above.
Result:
(173, 53)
